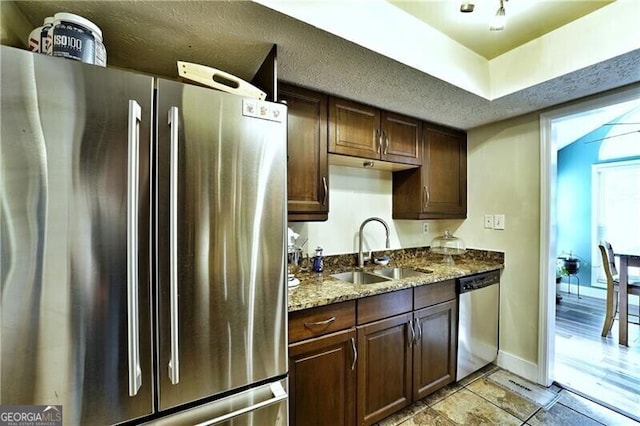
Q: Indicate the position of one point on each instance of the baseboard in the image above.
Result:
(518, 366)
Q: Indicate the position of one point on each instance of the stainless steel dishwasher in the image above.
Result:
(478, 313)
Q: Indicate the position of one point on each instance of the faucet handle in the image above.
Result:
(366, 258)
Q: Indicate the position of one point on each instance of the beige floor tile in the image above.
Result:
(466, 408)
(503, 398)
(441, 394)
(428, 417)
(402, 415)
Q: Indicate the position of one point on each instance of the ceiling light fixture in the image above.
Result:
(467, 7)
(500, 19)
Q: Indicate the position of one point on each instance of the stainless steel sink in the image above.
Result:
(399, 273)
(359, 277)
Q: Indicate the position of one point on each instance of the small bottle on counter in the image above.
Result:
(318, 261)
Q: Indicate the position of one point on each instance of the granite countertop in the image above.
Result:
(318, 290)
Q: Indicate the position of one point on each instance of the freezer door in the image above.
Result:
(264, 405)
(221, 244)
(75, 201)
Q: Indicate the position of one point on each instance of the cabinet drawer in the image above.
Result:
(318, 321)
(385, 305)
(435, 293)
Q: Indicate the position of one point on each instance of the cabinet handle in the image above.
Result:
(412, 338)
(386, 143)
(378, 140)
(425, 196)
(320, 323)
(355, 353)
(325, 187)
(419, 333)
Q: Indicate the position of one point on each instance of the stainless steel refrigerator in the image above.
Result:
(142, 247)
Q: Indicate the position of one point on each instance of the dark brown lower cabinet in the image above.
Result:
(434, 351)
(384, 368)
(322, 379)
(402, 349)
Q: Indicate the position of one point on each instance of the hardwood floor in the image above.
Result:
(596, 366)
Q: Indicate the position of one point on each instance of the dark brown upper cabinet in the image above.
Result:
(438, 189)
(307, 158)
(363, 131)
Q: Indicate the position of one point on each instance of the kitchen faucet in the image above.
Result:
(386, 228)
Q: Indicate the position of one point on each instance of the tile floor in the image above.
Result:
(476, 400)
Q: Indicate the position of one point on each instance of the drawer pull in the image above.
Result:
(320, 323)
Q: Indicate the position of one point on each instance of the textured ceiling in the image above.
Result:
(235, 36)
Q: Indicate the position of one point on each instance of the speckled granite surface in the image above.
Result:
(323, 290)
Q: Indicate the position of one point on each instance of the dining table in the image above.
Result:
(627, 259)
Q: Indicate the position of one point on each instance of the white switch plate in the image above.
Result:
(425, 228)
(488, 221)
(498, 221)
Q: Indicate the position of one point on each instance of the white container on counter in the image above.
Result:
(38, 37)
(75, 37)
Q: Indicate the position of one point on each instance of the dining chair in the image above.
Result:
(613, 286)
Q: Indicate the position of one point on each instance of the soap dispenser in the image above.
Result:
(318, 262)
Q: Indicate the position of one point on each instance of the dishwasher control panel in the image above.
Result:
(474, 282)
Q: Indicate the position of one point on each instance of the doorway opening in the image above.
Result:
(555, 130)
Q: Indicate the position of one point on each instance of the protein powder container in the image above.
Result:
(75, 37)
(38, 37)
(46, 37)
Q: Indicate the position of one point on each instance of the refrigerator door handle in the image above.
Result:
(174, 362)
(279, 394)
(133, 178)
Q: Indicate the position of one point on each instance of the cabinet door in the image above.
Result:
(307, 165)
(354, 129)
(434, 354)
(401, 139)
(384, 368)
(438, 189)
(445, 177)
(322, 380)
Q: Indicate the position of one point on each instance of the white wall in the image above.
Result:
(355, 195)
(503, 177)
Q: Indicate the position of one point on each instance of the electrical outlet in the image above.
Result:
(425, 228)
(498, 221)
(488, 221)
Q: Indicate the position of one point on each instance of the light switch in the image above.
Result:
(498, 221)
(488, 221)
